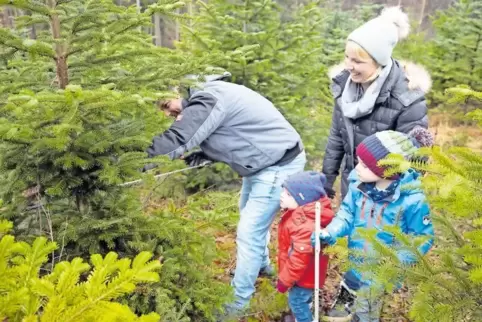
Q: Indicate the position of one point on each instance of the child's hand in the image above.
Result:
(281, 287)
(325, 238)
(313, 238)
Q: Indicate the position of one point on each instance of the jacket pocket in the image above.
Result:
(303, 248)
(247, 158)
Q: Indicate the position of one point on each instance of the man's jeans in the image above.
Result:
(259, 203)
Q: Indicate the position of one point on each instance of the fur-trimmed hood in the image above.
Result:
(417, 76)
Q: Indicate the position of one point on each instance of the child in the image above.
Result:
(373, 201)
(296, 257)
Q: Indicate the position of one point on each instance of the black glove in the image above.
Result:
(330, 192)
(196, 159)
(148, 167)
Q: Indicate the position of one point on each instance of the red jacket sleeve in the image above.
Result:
(327, 213)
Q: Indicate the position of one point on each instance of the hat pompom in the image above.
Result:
(422, 136)
(399, 18)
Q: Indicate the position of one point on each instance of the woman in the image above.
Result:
(373, 92)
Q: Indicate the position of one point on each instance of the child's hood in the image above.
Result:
(409, 183)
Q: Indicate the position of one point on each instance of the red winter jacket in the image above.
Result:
(296, 255)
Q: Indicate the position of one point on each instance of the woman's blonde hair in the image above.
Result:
(360, 52)
(363, 55)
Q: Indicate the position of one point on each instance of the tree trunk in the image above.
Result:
(157, 30)
(422, 14)
(6, 23)
(62, 71)
(178, 27)
(190, 12)
(33, 32)
(60, 50)
(473, 58)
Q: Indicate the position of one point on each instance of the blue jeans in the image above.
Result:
(300, 299)
(258, 205)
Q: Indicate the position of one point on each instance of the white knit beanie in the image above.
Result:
(380, 35)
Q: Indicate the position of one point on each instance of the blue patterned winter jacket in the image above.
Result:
(407, 207)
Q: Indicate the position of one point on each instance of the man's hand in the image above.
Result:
(196, 159)
(148, 167)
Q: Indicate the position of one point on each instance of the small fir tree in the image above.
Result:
(68, 293)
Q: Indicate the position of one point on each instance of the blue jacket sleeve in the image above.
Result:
(200, 119)
(416, 221)
(342, 223)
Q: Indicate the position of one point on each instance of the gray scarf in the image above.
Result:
(355, 103)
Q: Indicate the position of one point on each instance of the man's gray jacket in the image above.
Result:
(234, 125)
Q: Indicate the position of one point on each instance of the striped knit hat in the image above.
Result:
(306, 187)
(378, 146)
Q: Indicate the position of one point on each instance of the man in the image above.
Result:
(237, 126)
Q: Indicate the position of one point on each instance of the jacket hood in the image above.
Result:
(199, 82)
(416, 76)
(409, 183)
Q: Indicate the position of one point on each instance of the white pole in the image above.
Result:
(317, 260)
(131, 183)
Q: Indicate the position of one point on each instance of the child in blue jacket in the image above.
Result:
(374, 201)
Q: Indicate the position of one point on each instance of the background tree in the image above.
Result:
(457, 47)
(76, 115)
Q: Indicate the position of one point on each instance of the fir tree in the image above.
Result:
(77, 118)
(72, 291)
(456, 50)
(76, 115)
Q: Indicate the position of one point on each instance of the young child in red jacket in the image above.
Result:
(296, 255)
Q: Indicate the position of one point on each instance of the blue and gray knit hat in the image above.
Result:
(378, 146)
(306, 187)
